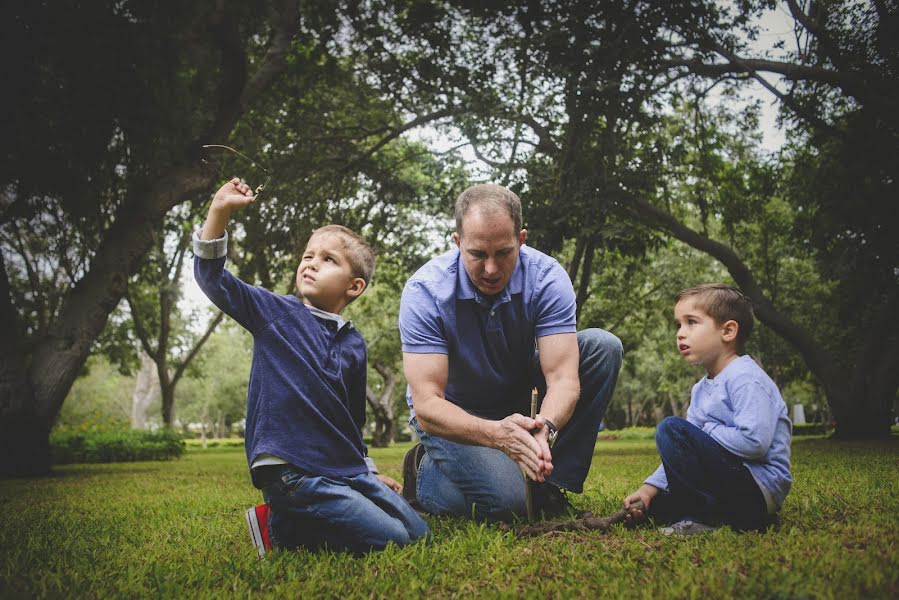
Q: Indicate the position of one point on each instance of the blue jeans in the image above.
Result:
(484, 483)
(357, 514)
(706, 482)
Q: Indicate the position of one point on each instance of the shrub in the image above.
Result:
(114, 445)
(628, 433)
(811, 428)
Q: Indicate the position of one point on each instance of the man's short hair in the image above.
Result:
(723, 303)
(359, 252)
(489, 198)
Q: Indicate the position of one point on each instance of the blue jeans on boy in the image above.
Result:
(355, 514)
(706, 482)
(484, 483)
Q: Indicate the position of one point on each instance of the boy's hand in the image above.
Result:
(645, 494)
(391, 483)
(233, 195)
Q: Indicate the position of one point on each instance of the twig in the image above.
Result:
(586, 524)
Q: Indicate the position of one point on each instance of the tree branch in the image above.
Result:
(851, 84)
(141, 331)
(416, 122)
(179, 371)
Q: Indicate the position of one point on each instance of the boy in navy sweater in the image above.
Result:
(306, 397)
(728, 463)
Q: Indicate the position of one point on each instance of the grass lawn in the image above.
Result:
(176, 530)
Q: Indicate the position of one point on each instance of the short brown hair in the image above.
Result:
(723, 303)
(359, 252)
(490, 198)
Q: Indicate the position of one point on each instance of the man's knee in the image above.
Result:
(600, 345)
(501, 497)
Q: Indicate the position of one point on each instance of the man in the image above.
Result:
(481, 325)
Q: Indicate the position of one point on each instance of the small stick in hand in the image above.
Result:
(528, 484)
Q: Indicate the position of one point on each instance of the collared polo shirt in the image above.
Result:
(490, 340)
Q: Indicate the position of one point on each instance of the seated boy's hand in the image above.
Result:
(636, 516)
(391, 483)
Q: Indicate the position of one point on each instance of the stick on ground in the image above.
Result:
(587, 524)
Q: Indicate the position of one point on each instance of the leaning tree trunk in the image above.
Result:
(30, 399)
(24, 432)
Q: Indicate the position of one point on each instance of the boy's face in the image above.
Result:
(700, 340)
(325, 277)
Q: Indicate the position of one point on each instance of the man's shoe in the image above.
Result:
(411, 463)
(552, 501)
(257, 521)
(688, 527)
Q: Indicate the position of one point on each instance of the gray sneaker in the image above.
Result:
(687, 527)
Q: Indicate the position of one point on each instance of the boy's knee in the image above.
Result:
(670, 428)
(395, 533)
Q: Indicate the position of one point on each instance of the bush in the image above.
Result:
(811, 428)
(628, 433)
(215, 443)
(115, 445)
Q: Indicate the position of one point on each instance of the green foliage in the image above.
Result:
(99, 399)
(114, 445)
(628, 433)
(177, 529)
(216, 390)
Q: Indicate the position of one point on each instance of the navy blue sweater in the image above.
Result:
(306, 398)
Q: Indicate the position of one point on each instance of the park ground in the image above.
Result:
(176, 530)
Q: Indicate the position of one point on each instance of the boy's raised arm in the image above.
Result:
(233, 195)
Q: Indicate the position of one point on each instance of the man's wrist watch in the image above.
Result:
(553, 432)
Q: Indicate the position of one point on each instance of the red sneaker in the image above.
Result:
(257, 521)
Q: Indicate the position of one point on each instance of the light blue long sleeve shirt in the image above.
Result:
(742, 410)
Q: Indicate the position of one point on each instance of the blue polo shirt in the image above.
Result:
(490, 340)
(306, 397)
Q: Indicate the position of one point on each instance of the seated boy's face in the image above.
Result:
(698, 336)
(325, 274)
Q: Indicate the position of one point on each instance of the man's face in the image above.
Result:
(489, 245)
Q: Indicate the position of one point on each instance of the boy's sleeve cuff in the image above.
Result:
(372, 467)
(210, 249)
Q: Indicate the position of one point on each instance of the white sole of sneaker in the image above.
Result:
(255, 531)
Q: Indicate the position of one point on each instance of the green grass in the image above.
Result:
(176, 529)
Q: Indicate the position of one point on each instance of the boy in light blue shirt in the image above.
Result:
(728, 462)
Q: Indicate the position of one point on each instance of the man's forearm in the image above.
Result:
(440, 417)
(560, 401)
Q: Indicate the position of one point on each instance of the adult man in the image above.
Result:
(481, 325)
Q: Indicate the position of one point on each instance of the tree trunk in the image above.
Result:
(30, 404)
(24, 432)
(382, 407)
(168, 405)
(146, 391)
